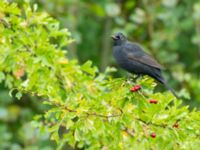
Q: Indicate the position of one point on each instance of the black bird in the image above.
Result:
(131, 57)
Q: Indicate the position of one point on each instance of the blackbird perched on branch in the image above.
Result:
(131, 57)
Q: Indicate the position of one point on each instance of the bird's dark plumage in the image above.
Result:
(131, 57)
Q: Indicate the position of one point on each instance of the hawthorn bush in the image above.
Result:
(89, 109)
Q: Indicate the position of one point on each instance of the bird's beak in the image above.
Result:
(113, 37)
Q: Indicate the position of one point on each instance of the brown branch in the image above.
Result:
(92, 113)
(117, 115)
(150, 123)
(6, 24)
(105, 116)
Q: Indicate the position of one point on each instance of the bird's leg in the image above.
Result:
(138, 77)
(132, 78)
(129, 78)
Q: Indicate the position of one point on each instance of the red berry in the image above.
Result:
(176, 125)
(135, 88)
(153, 135)
(153, 101)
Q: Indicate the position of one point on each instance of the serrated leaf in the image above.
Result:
(77, 135)
(87, 67)
(2, 76)
(10, 92)
(18, 95)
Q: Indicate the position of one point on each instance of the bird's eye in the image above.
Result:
(118, 37)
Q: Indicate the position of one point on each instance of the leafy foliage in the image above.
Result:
(169, 29)
(88, 109)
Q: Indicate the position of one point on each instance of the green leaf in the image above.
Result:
(87, 67)
(10, 92)
(2, 76)
(77, 135)
(18, 95)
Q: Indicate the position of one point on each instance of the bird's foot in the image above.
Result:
(132, 79)
(137, 77)
(129, 79)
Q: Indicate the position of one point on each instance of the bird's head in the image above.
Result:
(119, 39)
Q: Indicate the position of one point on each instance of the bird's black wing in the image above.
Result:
(136, 53)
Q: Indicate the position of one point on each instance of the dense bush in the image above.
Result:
(88, 109)
(168, 29)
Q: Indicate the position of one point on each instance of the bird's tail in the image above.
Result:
(162, 80)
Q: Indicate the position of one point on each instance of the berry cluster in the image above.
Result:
(136, 88)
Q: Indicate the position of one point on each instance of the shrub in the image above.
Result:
(89, 109)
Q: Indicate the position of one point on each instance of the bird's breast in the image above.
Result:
(119, 54)
(121, 58)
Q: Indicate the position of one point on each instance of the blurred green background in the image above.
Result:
(168, 29)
